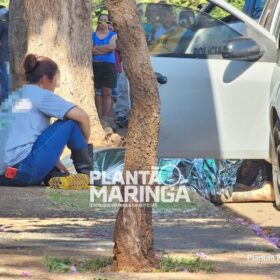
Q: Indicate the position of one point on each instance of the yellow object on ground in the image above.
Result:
(70, 182)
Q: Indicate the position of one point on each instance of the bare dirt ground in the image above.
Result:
(33, 226)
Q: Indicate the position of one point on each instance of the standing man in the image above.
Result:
(4, 52)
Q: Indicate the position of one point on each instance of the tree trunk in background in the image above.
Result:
(60, 30)
(133, 249)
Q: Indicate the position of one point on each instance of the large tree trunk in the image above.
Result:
(133, 249)
(60, 30)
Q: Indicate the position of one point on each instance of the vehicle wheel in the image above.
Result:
(276, 162)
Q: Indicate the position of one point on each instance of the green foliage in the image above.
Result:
(194, 3)
(99, 4)
(186, 3)
(237, 3)
(55, 264)
(4, 3)
(168, 264)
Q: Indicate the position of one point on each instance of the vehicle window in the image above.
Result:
(254, 8)
(218, 13)
(181, 31)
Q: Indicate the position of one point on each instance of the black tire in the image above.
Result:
(276, 162)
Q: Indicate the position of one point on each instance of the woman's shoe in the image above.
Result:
(70, 182)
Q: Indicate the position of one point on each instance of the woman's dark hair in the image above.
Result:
(37, 66)
(102, 14)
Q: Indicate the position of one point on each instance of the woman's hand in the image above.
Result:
(61, 167)
(79, 115)
(97, 51)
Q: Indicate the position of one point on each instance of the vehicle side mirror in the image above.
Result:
(160, 78)
(242, 49)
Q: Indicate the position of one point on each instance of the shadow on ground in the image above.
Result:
(34, 228)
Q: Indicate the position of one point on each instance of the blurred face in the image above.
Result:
(103, 22)
(49, 84)
(140, 12)
(166, 17)
(151, 13)
(186, 19)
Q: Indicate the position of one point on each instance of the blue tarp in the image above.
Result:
(203, 175)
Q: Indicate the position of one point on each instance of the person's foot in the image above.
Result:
(224, 197)
(121, 121)
(108, 125)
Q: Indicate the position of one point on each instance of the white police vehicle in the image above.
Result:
(222, 95)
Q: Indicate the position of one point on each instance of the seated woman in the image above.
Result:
(32, 146)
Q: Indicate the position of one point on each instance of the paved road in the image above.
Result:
(34, 228)
(262, 214)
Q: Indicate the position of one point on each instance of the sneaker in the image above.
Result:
(108, 125)
(122, 121)
(71, 182)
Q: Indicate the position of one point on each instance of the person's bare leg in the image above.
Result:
(106, 102)
(265, 193)
(98, 104)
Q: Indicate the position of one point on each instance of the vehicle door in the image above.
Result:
(211, 106)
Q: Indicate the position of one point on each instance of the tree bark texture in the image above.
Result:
(133, 250)
(60, 30)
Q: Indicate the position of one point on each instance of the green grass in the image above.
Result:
(55, 264)
(168, 264)
(79, 201)
(74, 201)
(63, 265)
(179, 206)
(69, 200)
(176, 206)
(93, 265)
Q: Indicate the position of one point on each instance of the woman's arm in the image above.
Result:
(96, 50)
(80, 116)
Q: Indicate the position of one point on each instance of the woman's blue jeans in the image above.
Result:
(45, 153)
